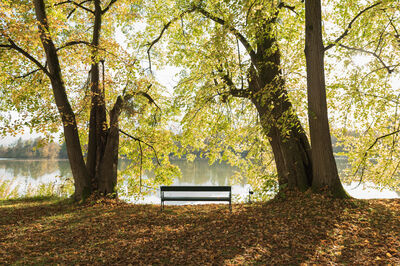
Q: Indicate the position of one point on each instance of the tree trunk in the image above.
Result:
(100, 171)
(108, 167)
(324, 166)
(292, 150)
(266, 90)
(78, 168)
(279, 121)
(98, 119)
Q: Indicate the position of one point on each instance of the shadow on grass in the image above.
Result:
(307, 229)
(27, 210)
(374, 233)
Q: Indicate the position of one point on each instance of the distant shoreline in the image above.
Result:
(33, 159)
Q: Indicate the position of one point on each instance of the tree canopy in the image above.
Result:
(240, 94)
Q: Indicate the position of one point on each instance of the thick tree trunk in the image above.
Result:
(98, 119)
(79, 171)
(266, 90)
(100, 171)
(279, 121)
(108, 167)
(291, 150)
(324, 166)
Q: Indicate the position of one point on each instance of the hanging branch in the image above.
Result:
(240, 63)
(166, 26)
(346, 32)
(234, 31)
(141, 165)
(366, 153)
(141, 141)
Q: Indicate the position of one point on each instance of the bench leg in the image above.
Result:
(230, 206)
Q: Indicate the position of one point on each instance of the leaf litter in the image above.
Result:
(302, 228)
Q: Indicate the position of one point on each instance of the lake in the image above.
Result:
(25, 176)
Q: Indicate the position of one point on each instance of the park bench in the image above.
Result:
(217, 189)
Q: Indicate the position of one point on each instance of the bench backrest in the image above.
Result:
(196, 188)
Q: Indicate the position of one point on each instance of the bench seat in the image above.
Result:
(219, 189)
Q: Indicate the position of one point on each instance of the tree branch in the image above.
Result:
(241, 93)
(366, 153)
(108, 6)
(14, 46)
(70, 2)
(291, 8)
(235, 32)
(71, 43)
(80, 5)
(371, 53)
(166, 26)
(148, 97)
(27, 74)
(141, 141)
(346, 32)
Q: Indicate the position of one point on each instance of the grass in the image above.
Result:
(302, 228)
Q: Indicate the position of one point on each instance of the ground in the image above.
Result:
(297, 229)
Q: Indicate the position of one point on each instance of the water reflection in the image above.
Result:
(200, 172)
(34, 169)
(36, 172)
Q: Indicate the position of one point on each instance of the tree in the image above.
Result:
(254, 26)
(324, 166)
(55, 30)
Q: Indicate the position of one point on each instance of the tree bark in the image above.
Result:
(109, 165)
(280, 123)
(266, 90)
(291, 150)
(98, 119)
(100, 171)
(324, 166)
(78, 168)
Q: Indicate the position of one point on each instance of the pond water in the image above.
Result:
(25, 175)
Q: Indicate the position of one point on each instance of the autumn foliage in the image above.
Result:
(297, 229)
